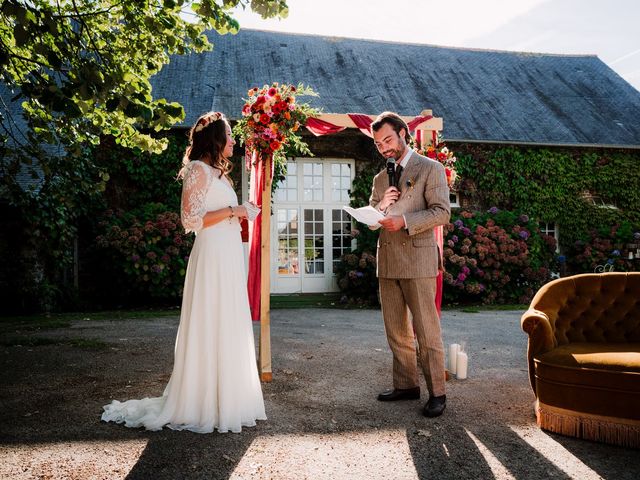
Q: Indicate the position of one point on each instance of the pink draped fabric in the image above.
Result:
(320, 127)
(417, 121)
(362, 122)
(255, 235)
(438, 231)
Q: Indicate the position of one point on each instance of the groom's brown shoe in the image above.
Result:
(435, 406)
(400, 394)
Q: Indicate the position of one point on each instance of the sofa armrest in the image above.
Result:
(541, 338)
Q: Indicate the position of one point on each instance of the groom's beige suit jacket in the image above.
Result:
(424, 202)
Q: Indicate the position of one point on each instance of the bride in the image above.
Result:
(214, 383)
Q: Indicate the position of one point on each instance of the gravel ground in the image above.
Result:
(324, 421)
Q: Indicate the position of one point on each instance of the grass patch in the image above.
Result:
(63, 320)
(25, 341)
(471, 310)
(485, 308)
(306, 300)
(88, 343)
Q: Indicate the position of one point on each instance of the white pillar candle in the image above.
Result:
(454, 348)
(462, 362)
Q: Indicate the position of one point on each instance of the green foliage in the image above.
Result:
(607, 247)
(139, 177)
(83, 67)
(147, 246)
(79, 72)
(550, 186)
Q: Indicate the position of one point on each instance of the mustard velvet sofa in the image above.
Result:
(584, 356)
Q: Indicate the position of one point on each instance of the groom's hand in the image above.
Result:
(390, 196)
(393, 223)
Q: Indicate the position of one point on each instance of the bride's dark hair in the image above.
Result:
(207, 139)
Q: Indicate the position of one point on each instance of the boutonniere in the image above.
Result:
(411, 182)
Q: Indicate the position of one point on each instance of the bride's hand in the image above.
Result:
(240, 211)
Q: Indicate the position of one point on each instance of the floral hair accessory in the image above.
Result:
(207, 119)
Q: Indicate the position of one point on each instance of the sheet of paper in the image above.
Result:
(367, 215)
(252, 210)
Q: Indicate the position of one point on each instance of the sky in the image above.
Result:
(608, 29)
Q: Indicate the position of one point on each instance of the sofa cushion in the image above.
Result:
(595, 378)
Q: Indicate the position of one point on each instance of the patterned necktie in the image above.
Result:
(398, 173)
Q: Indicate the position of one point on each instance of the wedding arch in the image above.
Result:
(260, 160)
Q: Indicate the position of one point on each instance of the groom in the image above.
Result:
(408, 262)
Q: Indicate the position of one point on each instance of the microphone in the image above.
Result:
(391, 171)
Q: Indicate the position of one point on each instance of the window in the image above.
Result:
(312, 178)
(453, 199)
(288, 188)
(597, 200)
(551, 229)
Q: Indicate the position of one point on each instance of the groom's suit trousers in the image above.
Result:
(418, 294)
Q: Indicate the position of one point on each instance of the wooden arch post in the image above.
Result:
(264, 356)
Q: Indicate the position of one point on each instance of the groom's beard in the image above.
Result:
(393, 153)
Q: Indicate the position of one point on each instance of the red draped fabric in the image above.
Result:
(255, 234)
(320, 127)
(438, 232)
(417, 121)
(362, 122)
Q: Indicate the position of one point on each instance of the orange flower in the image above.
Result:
(274, 145)
(287, 115)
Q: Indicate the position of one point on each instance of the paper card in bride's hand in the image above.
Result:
(252, 210)
(367, 215)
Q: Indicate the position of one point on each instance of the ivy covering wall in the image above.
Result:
(555, 185)
(494, 250)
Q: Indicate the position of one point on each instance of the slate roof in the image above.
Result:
(483, 96)
(29, 177)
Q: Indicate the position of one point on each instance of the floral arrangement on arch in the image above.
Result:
(446, 157)
(271, 119)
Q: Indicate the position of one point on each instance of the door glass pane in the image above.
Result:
(313, 241)
(287, 219)
(340, 182)
(312, 180)
(340, 235)
(288, 188)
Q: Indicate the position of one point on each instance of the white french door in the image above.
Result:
(309, 229)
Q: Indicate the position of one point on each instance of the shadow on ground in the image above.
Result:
(324, 421)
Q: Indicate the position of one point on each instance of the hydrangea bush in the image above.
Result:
(495, 257)
(152, 255)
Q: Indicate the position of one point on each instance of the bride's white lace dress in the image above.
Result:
(214, 383)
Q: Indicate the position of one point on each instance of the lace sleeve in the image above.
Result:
(194, 191)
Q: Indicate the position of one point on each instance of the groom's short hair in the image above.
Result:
(393, 119)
